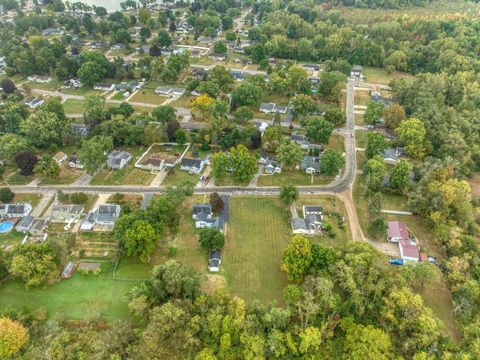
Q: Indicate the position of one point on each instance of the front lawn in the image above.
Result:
(361, 138)
(73, 106)
(258, 232)
(67, 176)
(295, 177)
(148, 96)
(176, 176)
(361, 97)
(79, 297)
(337, 142)
(33, 199)
(381, 76)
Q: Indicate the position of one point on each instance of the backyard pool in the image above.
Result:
(6, 226)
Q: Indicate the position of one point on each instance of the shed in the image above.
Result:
(68, 270)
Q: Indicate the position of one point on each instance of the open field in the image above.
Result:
(67, 176)
(133, 269)
(336, 143)
(130, 200)
(257, 234)
(12, 177)
(53, 85)
(148, 96)
(33, 199)
(359, 119)
(296, 177)
(79, 297)
(381, 76)
(84, 90)
(176, 176)
(361, 97)
(91, 198)
(182, 101)
(361, 138)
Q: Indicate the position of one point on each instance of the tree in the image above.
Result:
(10, 145)
(91, 72)
(164, 113)
(322, 258)
(421, 274)
(172, 27)
(154, 51)
(242, 114)
(26, 161)
(211, 238)
(100, 11)
(377, 227)
(34, 262)
(289, 154)
(374, 112)
(47, 168)
(6, 195)
(222, 77)
(319, 130)
(163, 39)
(400, 176)
(94, 152)
(219, 165)
(140, 240)
(289, 194)
(220, 48)
(172, 127)
(330, 82)
(397, 60)
(13, 336)
(180, 136)
(43, 128)
(243, 164)
(8, 86)
(303, 105)
(411, 133)
(297, 258)
(271, 138)
(246, 94)
(216, 202)
(374, 171)
(202, 105)
(335, 115)
(210, 88)
(393, 116)
(332, 162)
(366, 341)
(376, 144)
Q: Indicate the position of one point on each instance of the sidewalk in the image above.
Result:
(159, 178)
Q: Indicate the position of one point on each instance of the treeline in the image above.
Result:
(381, 4)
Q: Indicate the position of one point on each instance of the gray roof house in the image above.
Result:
(214, 260)
(38, 226)
(311, 224)
(118, 159)
(25, 223)
(80, 129)
(273, 167)
(15, 210)
(312, 209)
(193, 166)
(203, 220)
(105, 215)
(269, 108)
(357, 71)
(103, 86)
(169, 91)
(303, 141)
(33, 102)
(66, 212)
(198, 209)
(310, 164)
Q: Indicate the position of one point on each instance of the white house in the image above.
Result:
(273, 167)
(214, 260)
(201, 210)
(33, 102)
(169, 91)
(193, 166)
(409, 250)
(118, 159)
(105, 215)
(15, 210)
(269, 108)
(60, 158)
(103, 86)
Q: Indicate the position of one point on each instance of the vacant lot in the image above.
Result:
(381, 76)
(73, 106)
(258, 233)
(77, 298)
(148, 96)
(67, 175)
(33, 199)
(362, 97)
(176, 176)
(12, 177)
(296, 177)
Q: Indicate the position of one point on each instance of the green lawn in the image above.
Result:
(50, 86)
(73, 106)
(337, 142)
(11, 238)
(258, 232)
(361, 138)
(148, 96)
(133, 269)
(84, 90)
(67, 176)
(33, 199)
(381, 76)
(361, 97)
(79, 297)
(182, 101)
(359, 119)
(296, 177)
(12, 177)
(177, 176)
(118, 96)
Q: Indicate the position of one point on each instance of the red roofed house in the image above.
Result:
(408, 250)
(397, 231)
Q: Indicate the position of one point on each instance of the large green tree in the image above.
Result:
(332, 162)
(319, 130)
(140, 240)
(94, 152)
(297, 258)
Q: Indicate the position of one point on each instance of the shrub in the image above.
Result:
(78, 198)
(6, 195)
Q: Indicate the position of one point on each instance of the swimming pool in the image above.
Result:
(6, 226)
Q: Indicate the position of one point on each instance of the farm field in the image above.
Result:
(75, 298)
(257, 234)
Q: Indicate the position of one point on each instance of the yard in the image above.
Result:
(91, 199)
(84, 90)
(50, 86)
(295, 177)
(67, 175)
(9, 239)
(12, 177)
(361, 138)
(359, 119)
(33, 199)
(148, 96)
(337, 142)
(79, 297)
(73, 106)
(176, 176)
(361, 97)
(257, 234)
(381, 76)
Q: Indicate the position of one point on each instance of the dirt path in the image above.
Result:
(355, 227)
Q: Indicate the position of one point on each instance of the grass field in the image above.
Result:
(50, 86)
(182, 101)
(381, 76)
(133, 269)
(79, 297)
(296, 177)
(73, 106)
(84, 90)
(178, 176)
(33, 199)
(257, 234)
(361, 138)
(67, 176)
(336, 142)
(359, 119)
(148, 96)
(361, 97)
(12, 177)
(118, 96)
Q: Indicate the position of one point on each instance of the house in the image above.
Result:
(25, 223)
(312, 209)
(118, 159)
(74, 162)
(198, 209)
(310, 164)
(357, 72)
(38, 226)
(302, 227)
(203, 221)
(68, 270)
(169, 91)
(15, 210)
(397, 231)
(214, 260)
(103, 86)
(391, 156)
(193, 166)
(66, 213)
(52, 31)
(409, 250)
(73, 83)
(261, 126)
(129, 86)
(269, 108)
(60, 157)
(238, 75)
(311, 67)
(80, 129)
(264, 157)
(301, 140)
(272, 167)
(314, 80)
(33, 102)
(105, 215)
(206, 40)
(199, 74)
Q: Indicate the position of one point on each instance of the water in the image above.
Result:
(6, 226)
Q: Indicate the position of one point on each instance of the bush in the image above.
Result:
(118, 197)
(26, 161)
(172, 251)
(78, 198)
(97, 271)
(61, 196)
(211, 238)
(6, 195)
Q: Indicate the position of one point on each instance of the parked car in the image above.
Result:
(395, 261)
(432, 260)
